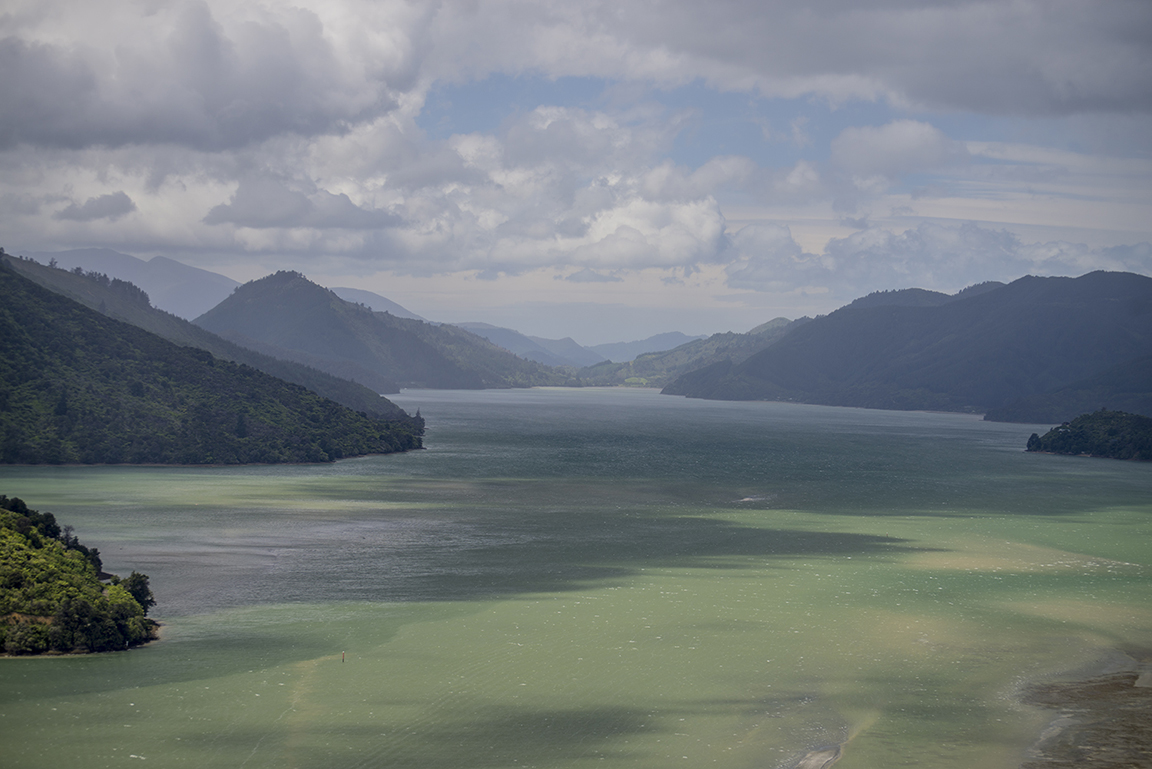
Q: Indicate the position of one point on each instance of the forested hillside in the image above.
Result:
(657, 369)
(51, 597)
(77, 386)
(287, 315)
(1104, 433)
(973, 353)
(123, 301)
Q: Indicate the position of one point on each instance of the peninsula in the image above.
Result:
(52, 599)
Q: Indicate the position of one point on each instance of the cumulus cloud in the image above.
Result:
(895, 149)
(210, 76)
(213, 74)
(291, 130)
(111, 207)
(930, 255)
(590, 276)
(265, 203)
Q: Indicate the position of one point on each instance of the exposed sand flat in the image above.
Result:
(1012, 557)
(819, 758)
(1105, 723)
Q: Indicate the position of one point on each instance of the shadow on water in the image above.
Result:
(509, 555)
(506, 736)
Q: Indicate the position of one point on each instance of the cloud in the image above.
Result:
(930, 255)
(111, 207)
(590, 276)
(266, 203)
(215, 75)
(895, 149)
(210, 76)
(293, 133)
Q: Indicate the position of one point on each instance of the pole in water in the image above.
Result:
(341, 656)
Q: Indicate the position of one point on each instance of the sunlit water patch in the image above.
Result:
(599, 577)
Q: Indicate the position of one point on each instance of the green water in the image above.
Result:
(610, 578)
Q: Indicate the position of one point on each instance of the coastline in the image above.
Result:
(1103, 721)
(157, 629)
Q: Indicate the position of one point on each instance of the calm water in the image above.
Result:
(610, 578)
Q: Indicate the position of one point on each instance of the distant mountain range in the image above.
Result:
(125, 302)
(657, 369)
(181, 290)
(374, 302)
(77, 386)
(567, 352)
(1020, 351)
(288, 316)
(1035, 350)
(189, 292)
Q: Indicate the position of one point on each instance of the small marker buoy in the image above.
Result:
(341, 656)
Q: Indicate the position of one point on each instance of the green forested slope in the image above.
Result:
(51, 597)
(288, 314)
(1124, 387)
(1112, 434)
(78, 386)
(123, 301)
(657, 369)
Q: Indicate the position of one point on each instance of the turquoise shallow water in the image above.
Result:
(598, 577)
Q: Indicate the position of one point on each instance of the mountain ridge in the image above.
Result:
(972, 353)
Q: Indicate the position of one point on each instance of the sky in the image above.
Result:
(599, 170)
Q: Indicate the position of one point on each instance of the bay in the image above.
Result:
(608, 577)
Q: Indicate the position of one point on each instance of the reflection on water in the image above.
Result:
(608, 577)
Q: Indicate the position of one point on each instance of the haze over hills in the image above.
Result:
(287, 315)
(567, 352)
(550, 352)
(375, 302)
(78, 386)
(659, 368)
(123, 301)
(842, 362)
(172, 286)
(975, 352)
(189, 292)
(622, 352)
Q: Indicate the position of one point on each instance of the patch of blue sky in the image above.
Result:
(773, 132)
(483, 106)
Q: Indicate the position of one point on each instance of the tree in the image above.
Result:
(137, 586)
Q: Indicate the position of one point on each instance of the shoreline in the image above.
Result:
(1103, 720)
(157, 629)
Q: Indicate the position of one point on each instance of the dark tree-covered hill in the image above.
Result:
(51, 596)
(123, 301)
(1124, 387)
(1112, 434)
(288, 316)
(973, 353)
(79, 387)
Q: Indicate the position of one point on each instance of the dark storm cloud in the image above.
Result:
(196, 85)
(1050, 57)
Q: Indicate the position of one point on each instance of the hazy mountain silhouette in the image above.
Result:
(172, 286)
(659, 368)
(977, 351)
(622, 352)
(289, 316)
(550, 352)
(79, 386)
(374, 301)
(127, 303)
